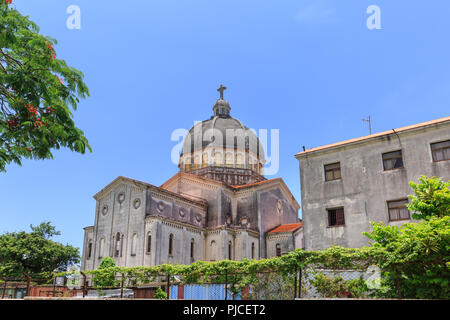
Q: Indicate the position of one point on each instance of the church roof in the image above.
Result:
(280, 181)
(373, 136)
(287, 227)
(196, 200)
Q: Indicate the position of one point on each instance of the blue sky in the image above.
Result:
(310, 68)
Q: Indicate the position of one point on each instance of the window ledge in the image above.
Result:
(336, 226)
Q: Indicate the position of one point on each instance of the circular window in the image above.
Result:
(137, 203)
(121, 197)
(161, 206)
(182, 212)
(105, 210)
(198, 217)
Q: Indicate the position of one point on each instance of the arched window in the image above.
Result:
(204, 160)
(149, 243)
(217, 159)
(239, 160)
(89, 249)
(187, 165)
(278, 250)
(229, 160)
(192, 249)
(118, 245)
(253, 250)
(171, 244)
(101, 247)
(230, 248)
(213, 250)
(196, 162)
(133, 244)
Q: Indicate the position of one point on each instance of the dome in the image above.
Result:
(228, 133)
(221, 144)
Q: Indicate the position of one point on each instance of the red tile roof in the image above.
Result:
(287, 227)
(253, 184)
(375, 135)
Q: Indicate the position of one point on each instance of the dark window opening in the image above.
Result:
(278, 250)
(440, 151)
(171, 245)
(336, 217)
(192, 249)
(149, 243)
(253, 250)
(392, 160)
(229, 250)
(398, 210)
(333, 171)
(89, 250)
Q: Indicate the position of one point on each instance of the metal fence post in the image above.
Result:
(28, 284)
(226, 283)
(121, 288)
(84, 284)
(300, 283)
(54, 286)
(168, 287)
(4, 289)
(295, 283)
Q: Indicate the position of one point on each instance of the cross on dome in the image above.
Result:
(221, 90)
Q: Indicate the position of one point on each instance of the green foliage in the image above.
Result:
(107, 276)
(160, 294)
(416, 259)
(34, 253)
(37, 93)
(431, 199)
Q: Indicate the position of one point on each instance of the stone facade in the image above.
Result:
(219, 206)
(364, 188)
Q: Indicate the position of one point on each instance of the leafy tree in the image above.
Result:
(417, 258)
(37, 91)
(108, 277)
(432, 198)
(34, 252)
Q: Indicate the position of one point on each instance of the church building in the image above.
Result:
(218, 206)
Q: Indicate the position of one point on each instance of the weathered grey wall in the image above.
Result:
(364, 188)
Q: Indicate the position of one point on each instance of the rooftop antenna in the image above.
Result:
(370, 124)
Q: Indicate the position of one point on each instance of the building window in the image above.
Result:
(171, 245)
(133, 244)
(213, 251)
(398, 210)
(229, 250)
(392, 160)
(149, 243)
(192, 249)
(239, 161)
(218, 159)
(89, 249)
(229, 160)
(205, 160)
(440, 151)
(101, 247)
(253, 250)
(336, 217)
(332, 171)
(196, 162)
(278, 250)
(118, 245)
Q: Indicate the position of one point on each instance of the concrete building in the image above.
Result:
(218, 206)
(346, 185)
